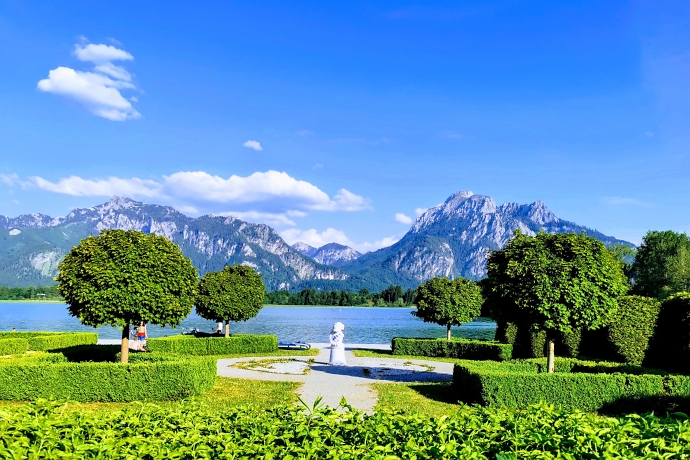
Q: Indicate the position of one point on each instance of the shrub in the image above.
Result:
(30, 379)
(455, 348)
(669, 347)
(627, 338)
(13, 346)
(44, 341)
(576, 384)
(530, 343)
(198, 346)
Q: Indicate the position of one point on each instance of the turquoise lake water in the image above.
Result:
(310, 324)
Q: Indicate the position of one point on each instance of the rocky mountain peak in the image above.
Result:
(117, 203)
(304, 248)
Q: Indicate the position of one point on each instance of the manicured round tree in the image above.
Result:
(235, 293)
(448, 303)
(124, 277)
(556, 282)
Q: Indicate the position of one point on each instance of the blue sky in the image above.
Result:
(338, 122)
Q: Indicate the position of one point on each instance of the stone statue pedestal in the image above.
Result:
(337, 357)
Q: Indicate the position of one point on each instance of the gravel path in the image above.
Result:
(353, 382)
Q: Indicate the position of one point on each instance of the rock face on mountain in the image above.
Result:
(453, 239)
(330, 254)
(33, 245)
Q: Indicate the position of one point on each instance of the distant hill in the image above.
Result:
(32, 245)
(330, 254)
(453, 239)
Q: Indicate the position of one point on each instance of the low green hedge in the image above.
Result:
(583, 385)
(454, 348)
(200, 346)
(166, 379)
(44, 341)
(13, 346)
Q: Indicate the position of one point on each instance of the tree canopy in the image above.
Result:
(124, 277)
(235, 293)
(448, 303)
(662, 264)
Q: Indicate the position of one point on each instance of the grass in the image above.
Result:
(225, 395)
(428, 399)
(309, 352)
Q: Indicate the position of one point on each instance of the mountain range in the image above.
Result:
(451, 239)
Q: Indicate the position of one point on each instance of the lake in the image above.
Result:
(289, 323)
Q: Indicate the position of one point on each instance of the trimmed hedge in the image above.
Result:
(13, 346)
(588, 386)
(44, 341)
(454, 348)
(669, 347)
(202, 346)
(166, 379)
(530, 343)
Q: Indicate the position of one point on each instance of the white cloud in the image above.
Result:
(331, 235)
(101, 53)
(420, 211)
(256, 145)
(269, 196)
(97, 91)
(617, 201)
(76, 186)
(9, 179)
(403, 219)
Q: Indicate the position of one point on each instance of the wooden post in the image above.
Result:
(227, 329)
(448, 332)
(124, 348)
(550, 367)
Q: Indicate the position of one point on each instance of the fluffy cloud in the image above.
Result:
(331, 235)
(403, 219)
(256, 145)
(101, 53)
(618, 201)
(269, 196)
(420, 211)
(98, 91)
(9, 179)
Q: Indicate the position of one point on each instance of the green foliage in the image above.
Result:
(124, 277)
(234, 294)
(627, 338)
(44, 341)
(455, 348)
(30, 293)
(30, 379)
(557, 282)
(669, 347)
(52, 430)
(16, 346)
(198, 346)
(574, 385)
(662, 264)
(448, 303)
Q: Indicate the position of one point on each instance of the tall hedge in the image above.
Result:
(13, 346)
(199, 346)
(27, 380)
(529, 342)
(669, 347)
(44, 341)
(454, 348)
(574, 385)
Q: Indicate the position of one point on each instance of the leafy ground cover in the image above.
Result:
(47, 430)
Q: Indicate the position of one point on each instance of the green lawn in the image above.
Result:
(428, 399)
(389, 354)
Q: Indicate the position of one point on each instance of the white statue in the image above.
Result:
(337, 347)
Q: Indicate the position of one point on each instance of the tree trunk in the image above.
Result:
(227, 329)
(550, 367)
(124, 348)
(448, 332)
